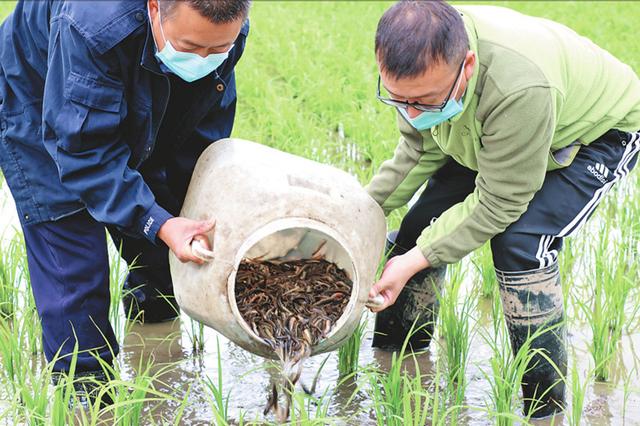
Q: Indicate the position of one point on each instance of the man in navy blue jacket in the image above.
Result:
(105, 108)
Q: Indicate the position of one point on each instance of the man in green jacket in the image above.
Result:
(519, 127)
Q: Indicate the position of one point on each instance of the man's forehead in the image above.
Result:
(425, 85)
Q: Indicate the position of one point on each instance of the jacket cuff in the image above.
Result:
(151, 221)
(428, 252)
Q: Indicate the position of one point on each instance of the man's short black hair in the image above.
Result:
(412, 35)
(216, 11)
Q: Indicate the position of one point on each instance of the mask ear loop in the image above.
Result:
(460, 81)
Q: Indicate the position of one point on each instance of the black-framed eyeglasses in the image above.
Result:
(419, 106)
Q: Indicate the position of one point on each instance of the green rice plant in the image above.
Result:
(33, 401)
(117, 275)
(42, 404)
(400, 398)
(390, 394)
(507, 369)
(15, 362)
(605, 312)
(119, 399)
(416, 401)
(61, 398)
(219, 402)
(122, 399)
(386, 389)
(566, 263)
(626, 391)
(457, 327)
(309, 410)
(34, 396)
(482, 260)
(29, 320)
(578, 392)
(349, 353)
(11, 257)
(195, 334)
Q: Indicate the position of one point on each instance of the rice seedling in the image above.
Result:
(456, 327)
(10, 275)
(15, 361)
(566, 262)
(349, 353)
(43, 404)
(400, 398)
(606, 310)
(62, 397)
(310, 410)
(578, 392)
(386, 389)
(123, 400)
(118, 272)
(196, 336)
(483, 262)
(219, 402)
(626, 392)
(507, 369)
(179, 413)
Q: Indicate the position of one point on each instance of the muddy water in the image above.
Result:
(247, 377)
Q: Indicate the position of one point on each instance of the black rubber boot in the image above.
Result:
(145, 303)
(533, 300)
(86, 386)
(417, 301)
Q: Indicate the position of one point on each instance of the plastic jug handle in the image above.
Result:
(374, 302)
(200, 252)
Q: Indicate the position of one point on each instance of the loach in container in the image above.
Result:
(271, 205)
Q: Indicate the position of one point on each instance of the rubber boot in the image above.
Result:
(86, 386)
(533, 300)
(145, 303)
(417, 302)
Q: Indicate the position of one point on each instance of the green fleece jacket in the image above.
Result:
(539, 91)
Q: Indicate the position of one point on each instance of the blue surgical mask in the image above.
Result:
(428, 119)
(188, 66)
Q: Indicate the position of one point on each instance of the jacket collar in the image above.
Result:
(472, 35)
(116, 21)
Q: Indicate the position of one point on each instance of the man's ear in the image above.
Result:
(152, 6)
(469, 64)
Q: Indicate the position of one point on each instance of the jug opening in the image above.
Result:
(304, 245)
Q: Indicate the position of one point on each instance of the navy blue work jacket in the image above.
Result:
(84, 104)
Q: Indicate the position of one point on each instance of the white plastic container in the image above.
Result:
(276, 205)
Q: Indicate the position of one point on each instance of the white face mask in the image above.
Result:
(188, 66)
